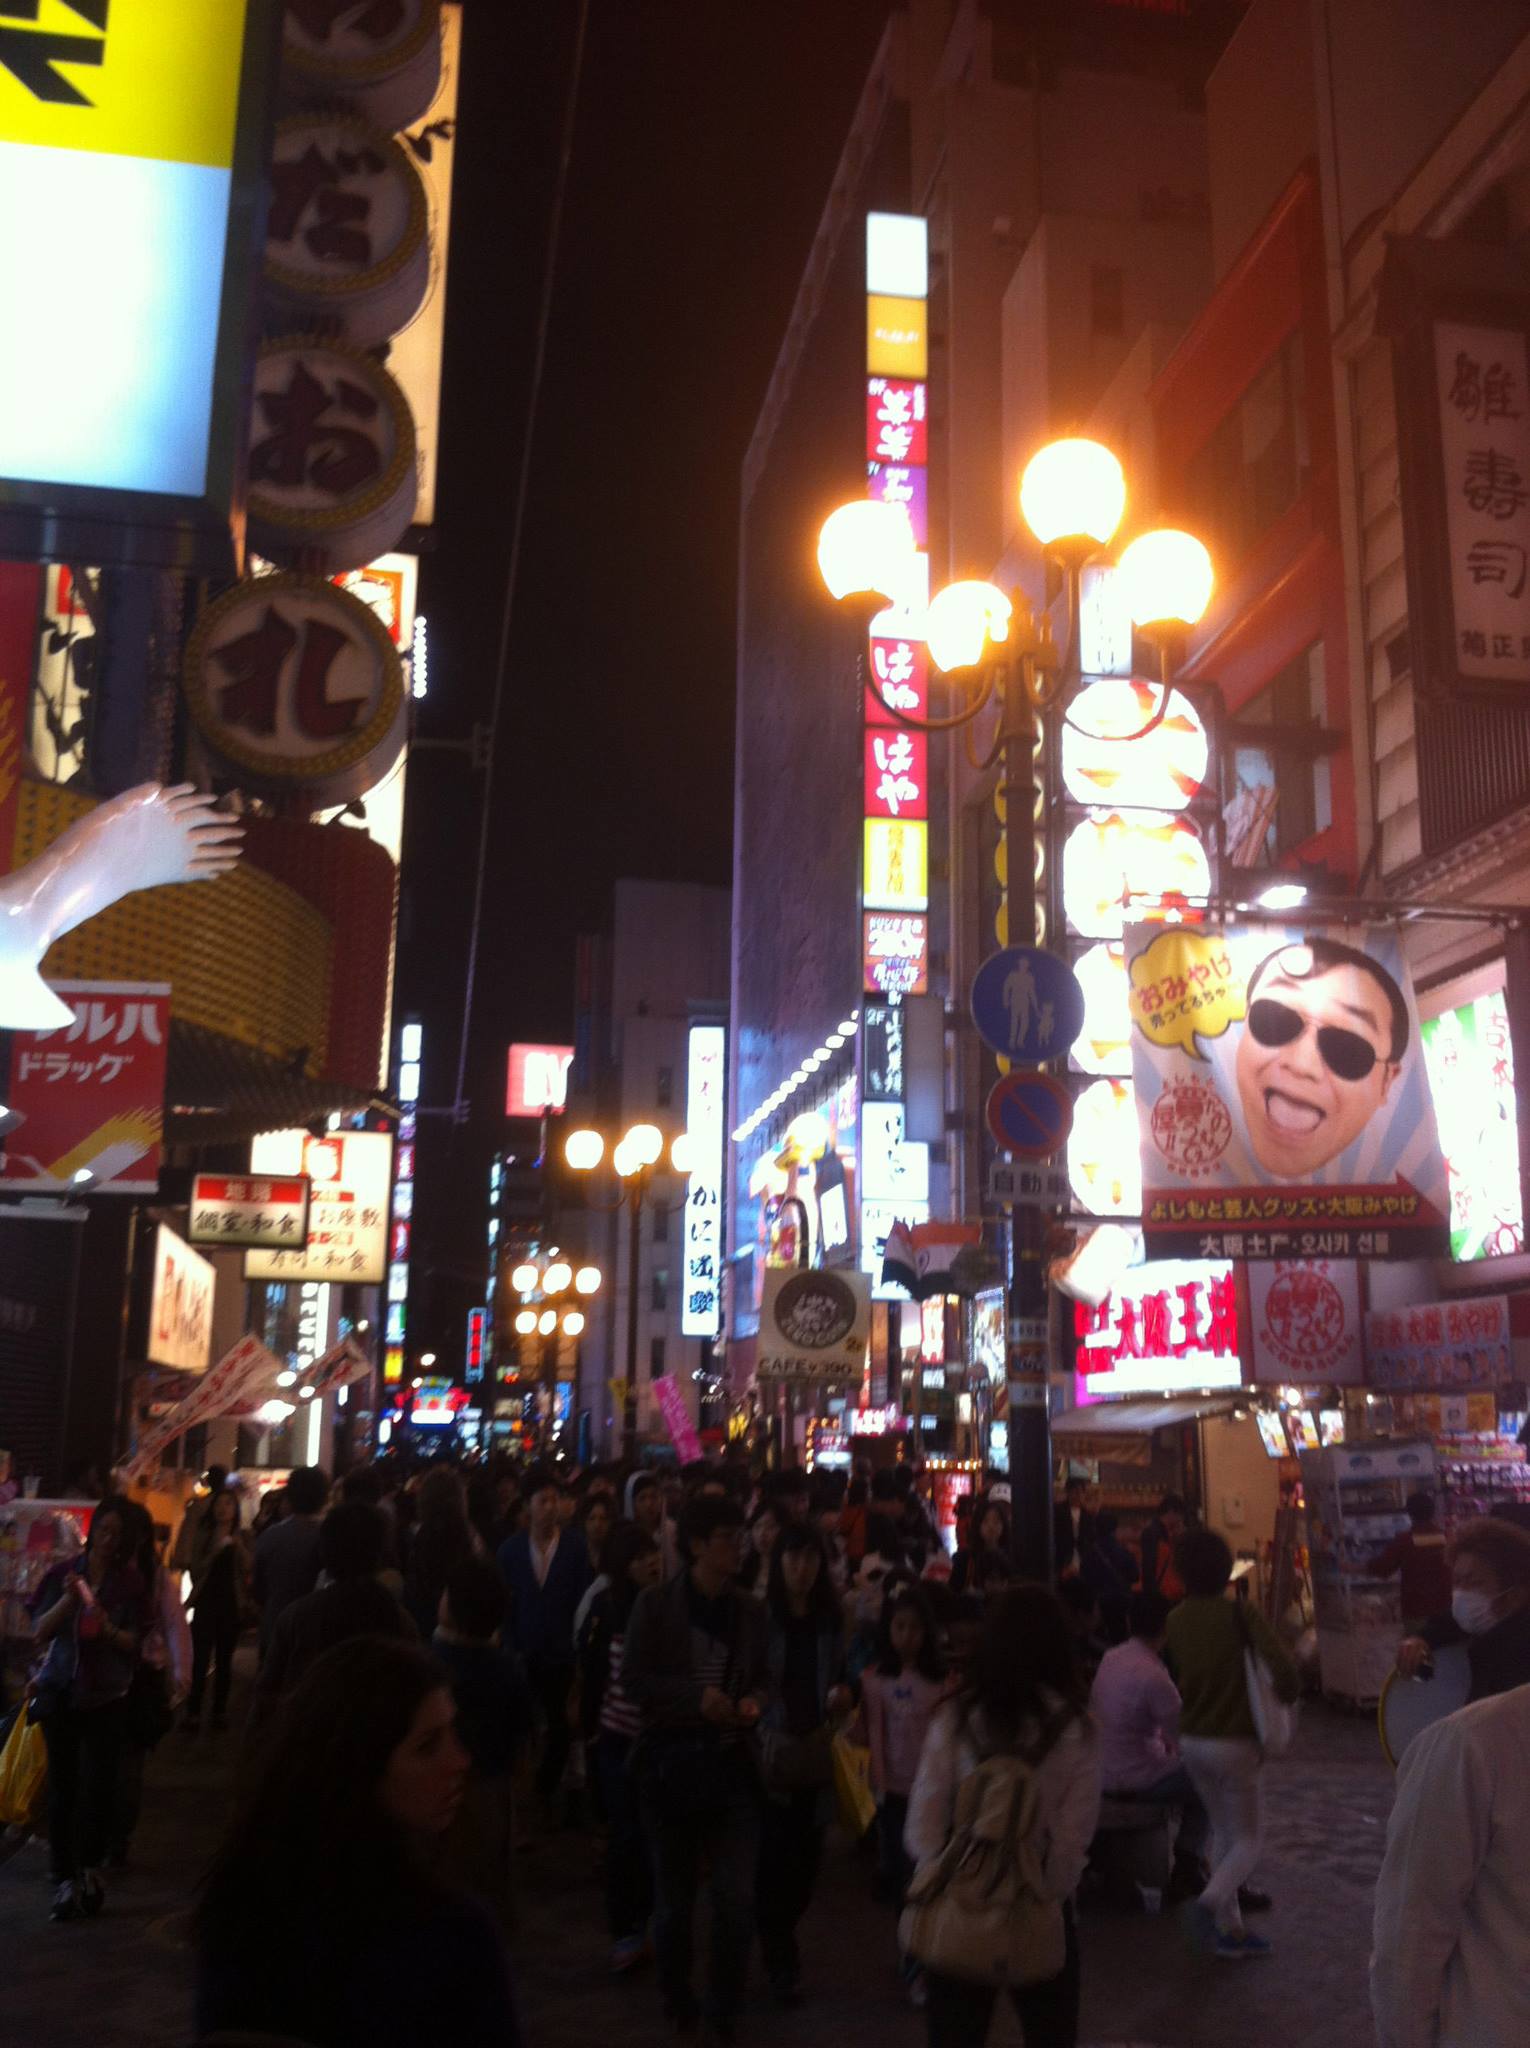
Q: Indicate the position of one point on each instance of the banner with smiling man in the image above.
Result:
(1282, 1096)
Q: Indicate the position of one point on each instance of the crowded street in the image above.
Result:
(764, 974)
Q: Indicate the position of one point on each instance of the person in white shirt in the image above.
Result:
(1450, 1967)
(1022, 1695)
(1135, 1704)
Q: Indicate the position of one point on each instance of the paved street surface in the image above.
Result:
(122, 1982)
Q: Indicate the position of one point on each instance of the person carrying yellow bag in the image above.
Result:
(23, 1774)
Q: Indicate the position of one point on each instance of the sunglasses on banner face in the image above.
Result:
(1344, 1053)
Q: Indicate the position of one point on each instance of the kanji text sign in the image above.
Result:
(249, 1210)
(1484, 388)
(89, 1095)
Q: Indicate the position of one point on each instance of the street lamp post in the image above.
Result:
(551, 1293)
(993, 648)
(635, 1157)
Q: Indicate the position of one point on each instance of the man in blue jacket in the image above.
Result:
(547, 1569)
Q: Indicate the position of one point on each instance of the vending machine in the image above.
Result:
(1355, 1495)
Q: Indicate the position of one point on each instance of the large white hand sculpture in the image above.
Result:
(143, 839)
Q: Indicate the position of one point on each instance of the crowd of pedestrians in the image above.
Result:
(705, 1669)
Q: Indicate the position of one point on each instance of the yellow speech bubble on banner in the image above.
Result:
(1184, 987)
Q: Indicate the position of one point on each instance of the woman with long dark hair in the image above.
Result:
(808, 1694)
(983, 1564)
(443, 1538)
(358, 1781)
(612, 1724)
(1021, 1697)
(220, 1592)
(160, 1679)
(92, 1613)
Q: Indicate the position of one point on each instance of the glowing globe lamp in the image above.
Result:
(866, 549)
(1073, 491)
(1166, 577)
(963, 619)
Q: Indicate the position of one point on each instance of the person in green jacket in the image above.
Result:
(1208, 1635)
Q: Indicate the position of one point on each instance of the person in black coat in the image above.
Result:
(353, 1538)
(1111, 1572)
(1072, 1528)
(547, 1569)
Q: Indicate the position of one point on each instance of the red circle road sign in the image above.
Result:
(1030, 1114)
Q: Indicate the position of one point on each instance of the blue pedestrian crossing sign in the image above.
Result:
(1027, 1004)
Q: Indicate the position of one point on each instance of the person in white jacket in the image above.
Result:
(1451, 1963)
(1024, 1694)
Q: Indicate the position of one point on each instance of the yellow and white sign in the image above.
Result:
(118, 123)
(897, 871)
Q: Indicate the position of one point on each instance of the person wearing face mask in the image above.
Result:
(354, 1791)
(1489, 1610)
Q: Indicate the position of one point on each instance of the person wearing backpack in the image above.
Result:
(1002, 1811)
(1208, 1636)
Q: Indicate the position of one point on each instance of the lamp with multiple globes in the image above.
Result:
(587, 1280)
(558, 1277)
(993, 648)
(584, 1150)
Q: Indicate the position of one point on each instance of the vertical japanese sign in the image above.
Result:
(1470, 1055)
(411, 1043)
(1484, 391)
(701, 1308)
(895, 761)
(89, 1096)
(180, 1304)
(143, 120)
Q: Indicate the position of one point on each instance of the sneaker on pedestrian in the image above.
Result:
(627, 1954)
(66, 1905)
(1242, 1947)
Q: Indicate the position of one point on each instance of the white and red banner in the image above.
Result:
(677, 1420)
(244, 1211)
(1306, 1321)
(221, 1390)
(340, 1365)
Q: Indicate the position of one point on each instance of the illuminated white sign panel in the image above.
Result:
(139, 125)
(180, 1305)
(892, 1168)
(348, 1208)
(701, 1307)
(1170, 1326)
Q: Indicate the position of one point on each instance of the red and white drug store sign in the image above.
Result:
(1170, 1327)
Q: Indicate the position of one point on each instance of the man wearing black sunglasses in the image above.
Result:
(1324, 1035)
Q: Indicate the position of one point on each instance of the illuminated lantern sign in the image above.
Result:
(896, 872)
(1101, 764)
(146, 124)
(1110, 858)
(348, 235)
(701, 1307)
(384, 58)
(897, 773)
(1168, 1327)
(295, 684)
(538, 1080)
(1470, 1058)
(900, 680)
(895, 420)
(332, 456)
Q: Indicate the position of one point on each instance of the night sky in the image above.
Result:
(707, 135)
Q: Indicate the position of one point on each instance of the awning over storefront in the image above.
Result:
(1140, 1418)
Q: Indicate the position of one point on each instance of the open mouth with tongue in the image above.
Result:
(1289, 1116)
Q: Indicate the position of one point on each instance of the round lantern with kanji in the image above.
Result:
(384, 60)
(348, 233)
(333, 480)
(295, 686)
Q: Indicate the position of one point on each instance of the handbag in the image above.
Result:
(853, 1797)
(977, 1911)
(1275, 1720)
(23, 1774)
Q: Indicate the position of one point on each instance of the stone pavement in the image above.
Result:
(123, 1981)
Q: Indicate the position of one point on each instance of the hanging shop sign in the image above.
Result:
(1442, 1344)
(902, 484)
(814, 1325)
(1305, 1315)
(332, 455)
(895, 953)
(348, 233)
(388, 587)
(882, 1051)
(245, 1212)
(1104, 1046)
(1282, 1096)
(180, 1305)
(349, 1174)
(896, 429)
(900, 681)
(988, 1347)
(146, 124)
(893, 1167)
(247, 1365)
(383, 59)
(1470, 1057)
(706, 1074)
(896, 871)
(1117, 868)
(87, 1097)
(296, 685)
(897, 773)
(1104, 1164)
(538, 1080)
(1166, 1327)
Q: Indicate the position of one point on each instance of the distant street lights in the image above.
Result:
(635, 1159)
(992, 648)
(551, 1291)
